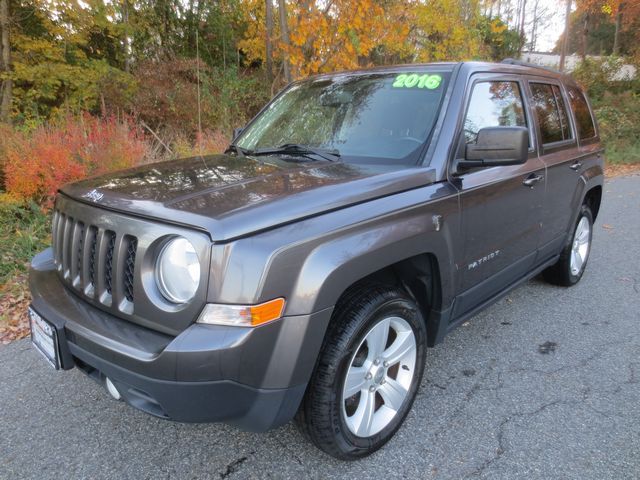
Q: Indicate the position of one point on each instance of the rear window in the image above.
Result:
(584, 121)
(551, 111)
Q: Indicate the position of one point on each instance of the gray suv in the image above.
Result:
(354, 222)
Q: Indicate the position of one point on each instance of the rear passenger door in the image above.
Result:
(501, 215)
(559, 151)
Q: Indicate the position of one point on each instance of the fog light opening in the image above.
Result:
(111, 388)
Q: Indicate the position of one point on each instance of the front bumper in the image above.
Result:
(250, 377)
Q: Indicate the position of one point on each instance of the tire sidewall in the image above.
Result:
(347, 441)
(585, 211)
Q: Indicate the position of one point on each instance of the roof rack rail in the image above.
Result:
(514, 61)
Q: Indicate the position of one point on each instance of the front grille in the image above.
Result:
(129, 266)
(98, 263)
(108, 264)
(93, 241)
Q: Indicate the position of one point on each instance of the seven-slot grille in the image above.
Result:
(96, 262)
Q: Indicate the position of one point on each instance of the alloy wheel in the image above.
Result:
(379, 376)
(580, 246)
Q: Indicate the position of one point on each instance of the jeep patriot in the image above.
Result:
(354, 222)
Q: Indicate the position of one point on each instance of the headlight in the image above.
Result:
(178, 270)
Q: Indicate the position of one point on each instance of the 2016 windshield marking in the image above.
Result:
(413, 80)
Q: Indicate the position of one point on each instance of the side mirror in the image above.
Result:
(497, 146)
(236, 133)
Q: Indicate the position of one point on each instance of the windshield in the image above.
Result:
(372, 118)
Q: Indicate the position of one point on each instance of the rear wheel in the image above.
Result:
(573, 259)
(367, 375)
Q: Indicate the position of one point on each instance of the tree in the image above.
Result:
(523, 18)
(446, 30)
(604, 27)
(616, 35)
(498, 40)
(284, 29)
(540, 17)
(269, 36)
(6, 91)
(565, 42)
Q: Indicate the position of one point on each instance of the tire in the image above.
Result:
(353, 346)
(568, 270)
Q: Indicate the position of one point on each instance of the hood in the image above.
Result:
(229, 196)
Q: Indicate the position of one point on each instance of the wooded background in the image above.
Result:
(95, 85)
(89, 86)
(64, 57)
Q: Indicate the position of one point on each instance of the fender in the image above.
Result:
(312, 262)
(337, 264)
(590, 178)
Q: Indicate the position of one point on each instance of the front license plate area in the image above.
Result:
(44, 338)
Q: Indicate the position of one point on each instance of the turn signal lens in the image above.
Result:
(242, 315)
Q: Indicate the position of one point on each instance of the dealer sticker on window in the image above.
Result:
(415, 80)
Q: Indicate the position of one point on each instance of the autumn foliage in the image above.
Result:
(37, 163)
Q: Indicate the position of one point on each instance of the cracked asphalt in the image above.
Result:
(544, 384)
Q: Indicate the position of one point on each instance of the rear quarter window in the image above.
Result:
(549, 107)
(584, 120)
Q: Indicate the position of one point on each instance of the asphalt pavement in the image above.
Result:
(543, 385)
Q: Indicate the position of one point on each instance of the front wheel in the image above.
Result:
(573, 259)
(367, 375)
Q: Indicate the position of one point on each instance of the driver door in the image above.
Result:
(501, 206)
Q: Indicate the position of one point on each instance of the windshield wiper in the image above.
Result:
(297, 149)
(241, 152)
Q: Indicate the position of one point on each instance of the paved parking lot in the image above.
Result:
(545, 384)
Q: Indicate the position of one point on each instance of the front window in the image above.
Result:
(493, 104)
(369, 118)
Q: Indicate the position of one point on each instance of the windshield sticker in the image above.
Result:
(413, 80)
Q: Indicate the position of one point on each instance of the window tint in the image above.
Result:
(551, 111)
(567, 134)
(494, 104)
(584, 121)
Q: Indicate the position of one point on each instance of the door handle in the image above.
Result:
(531, 180)
(575, 166)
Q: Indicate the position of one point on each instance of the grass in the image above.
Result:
(617, 155)
(24, 231)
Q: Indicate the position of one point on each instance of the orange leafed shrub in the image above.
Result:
(37, 163)
(206, 143)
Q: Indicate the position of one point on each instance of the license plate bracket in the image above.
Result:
(44, 337)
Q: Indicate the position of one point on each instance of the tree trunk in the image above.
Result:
(191, 27)
(285, 39)
(269, 54)
(565, 40)
(585, 37)
(534, 27)
(523, 17)
(5, 64)
(127, 37)
(616, 36)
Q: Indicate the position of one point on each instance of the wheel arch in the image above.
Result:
(593, 198)
(418, 276)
